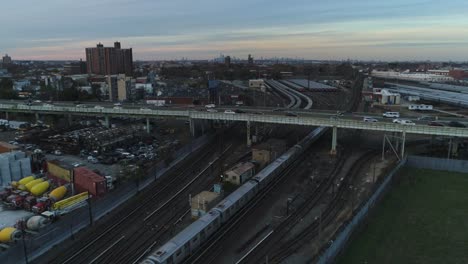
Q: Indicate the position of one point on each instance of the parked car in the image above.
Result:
(58, 152)
(455, 124)
(92, 159)
(369, 119)
(229, 112)
(391, 114)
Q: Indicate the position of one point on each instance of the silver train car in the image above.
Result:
(191, 238)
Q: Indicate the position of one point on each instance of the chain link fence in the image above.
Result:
(347, 229)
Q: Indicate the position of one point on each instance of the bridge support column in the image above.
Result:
(6, 116)
(37, 117)
(249, 141)
(203, 127)
(334, 140)
(107, 121)
(70, 119)
(148, 126)
(192, 127)
(403, 139)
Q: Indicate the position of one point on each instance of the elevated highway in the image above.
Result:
(303, 117)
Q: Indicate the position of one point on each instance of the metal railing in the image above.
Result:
(323, 120)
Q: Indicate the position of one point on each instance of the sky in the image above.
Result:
(202, 29)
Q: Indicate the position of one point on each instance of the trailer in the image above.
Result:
(421, 107)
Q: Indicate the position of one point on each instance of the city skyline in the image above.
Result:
(397, 30)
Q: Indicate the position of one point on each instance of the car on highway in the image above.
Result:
(455, 124)
(117, 107)
(369, 119)
(98, 107)
(47, 105)
(391, 114)
(37, 101)
(426, 118)
(257, 113)
(210, 106)
(212, 110)
(403, 122)
(239, 111)
(118, 104)
(434, 123)
(291, 114)
(278, 110)
(229, 112)
(80, 106)
(145, 109)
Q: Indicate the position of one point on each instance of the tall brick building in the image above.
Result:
(109, 60)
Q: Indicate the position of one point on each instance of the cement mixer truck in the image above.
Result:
(9, 234)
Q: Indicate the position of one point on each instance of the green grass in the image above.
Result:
(425, 222)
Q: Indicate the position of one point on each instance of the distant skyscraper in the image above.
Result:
(109, 60)
(250, 59)
(6, 59)
(227, 60)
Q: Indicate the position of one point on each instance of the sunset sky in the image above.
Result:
(172, 29)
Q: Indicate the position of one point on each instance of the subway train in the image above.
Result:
(191, 238)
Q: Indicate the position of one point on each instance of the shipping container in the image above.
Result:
(60, 170)
(87, 180)
(7, 147)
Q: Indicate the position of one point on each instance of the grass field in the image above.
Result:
(425, 222)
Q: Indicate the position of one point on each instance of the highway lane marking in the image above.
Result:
(104, 252)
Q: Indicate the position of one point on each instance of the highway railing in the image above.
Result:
(272, 117)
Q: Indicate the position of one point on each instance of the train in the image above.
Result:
(189, 240)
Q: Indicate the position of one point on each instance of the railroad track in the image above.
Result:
(257, 254)
(131, 213)
(159, 227)
(209, 252)
(328, 216)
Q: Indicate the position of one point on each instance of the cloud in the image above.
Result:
(59, 29)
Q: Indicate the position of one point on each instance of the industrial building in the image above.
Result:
(73, 68)
(256, 84)
(240, 173)
(266, 152)
(109, 60)
(384, 96)
(13, 167)
(407, 76)
(203, 202)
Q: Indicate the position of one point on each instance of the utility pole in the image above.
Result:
(90, 211)
(373, 178)
(24, 243)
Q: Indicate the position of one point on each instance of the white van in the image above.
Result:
(391, 114)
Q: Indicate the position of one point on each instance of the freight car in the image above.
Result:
(191, 238)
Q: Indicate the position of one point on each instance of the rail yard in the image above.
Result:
(137, 189)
